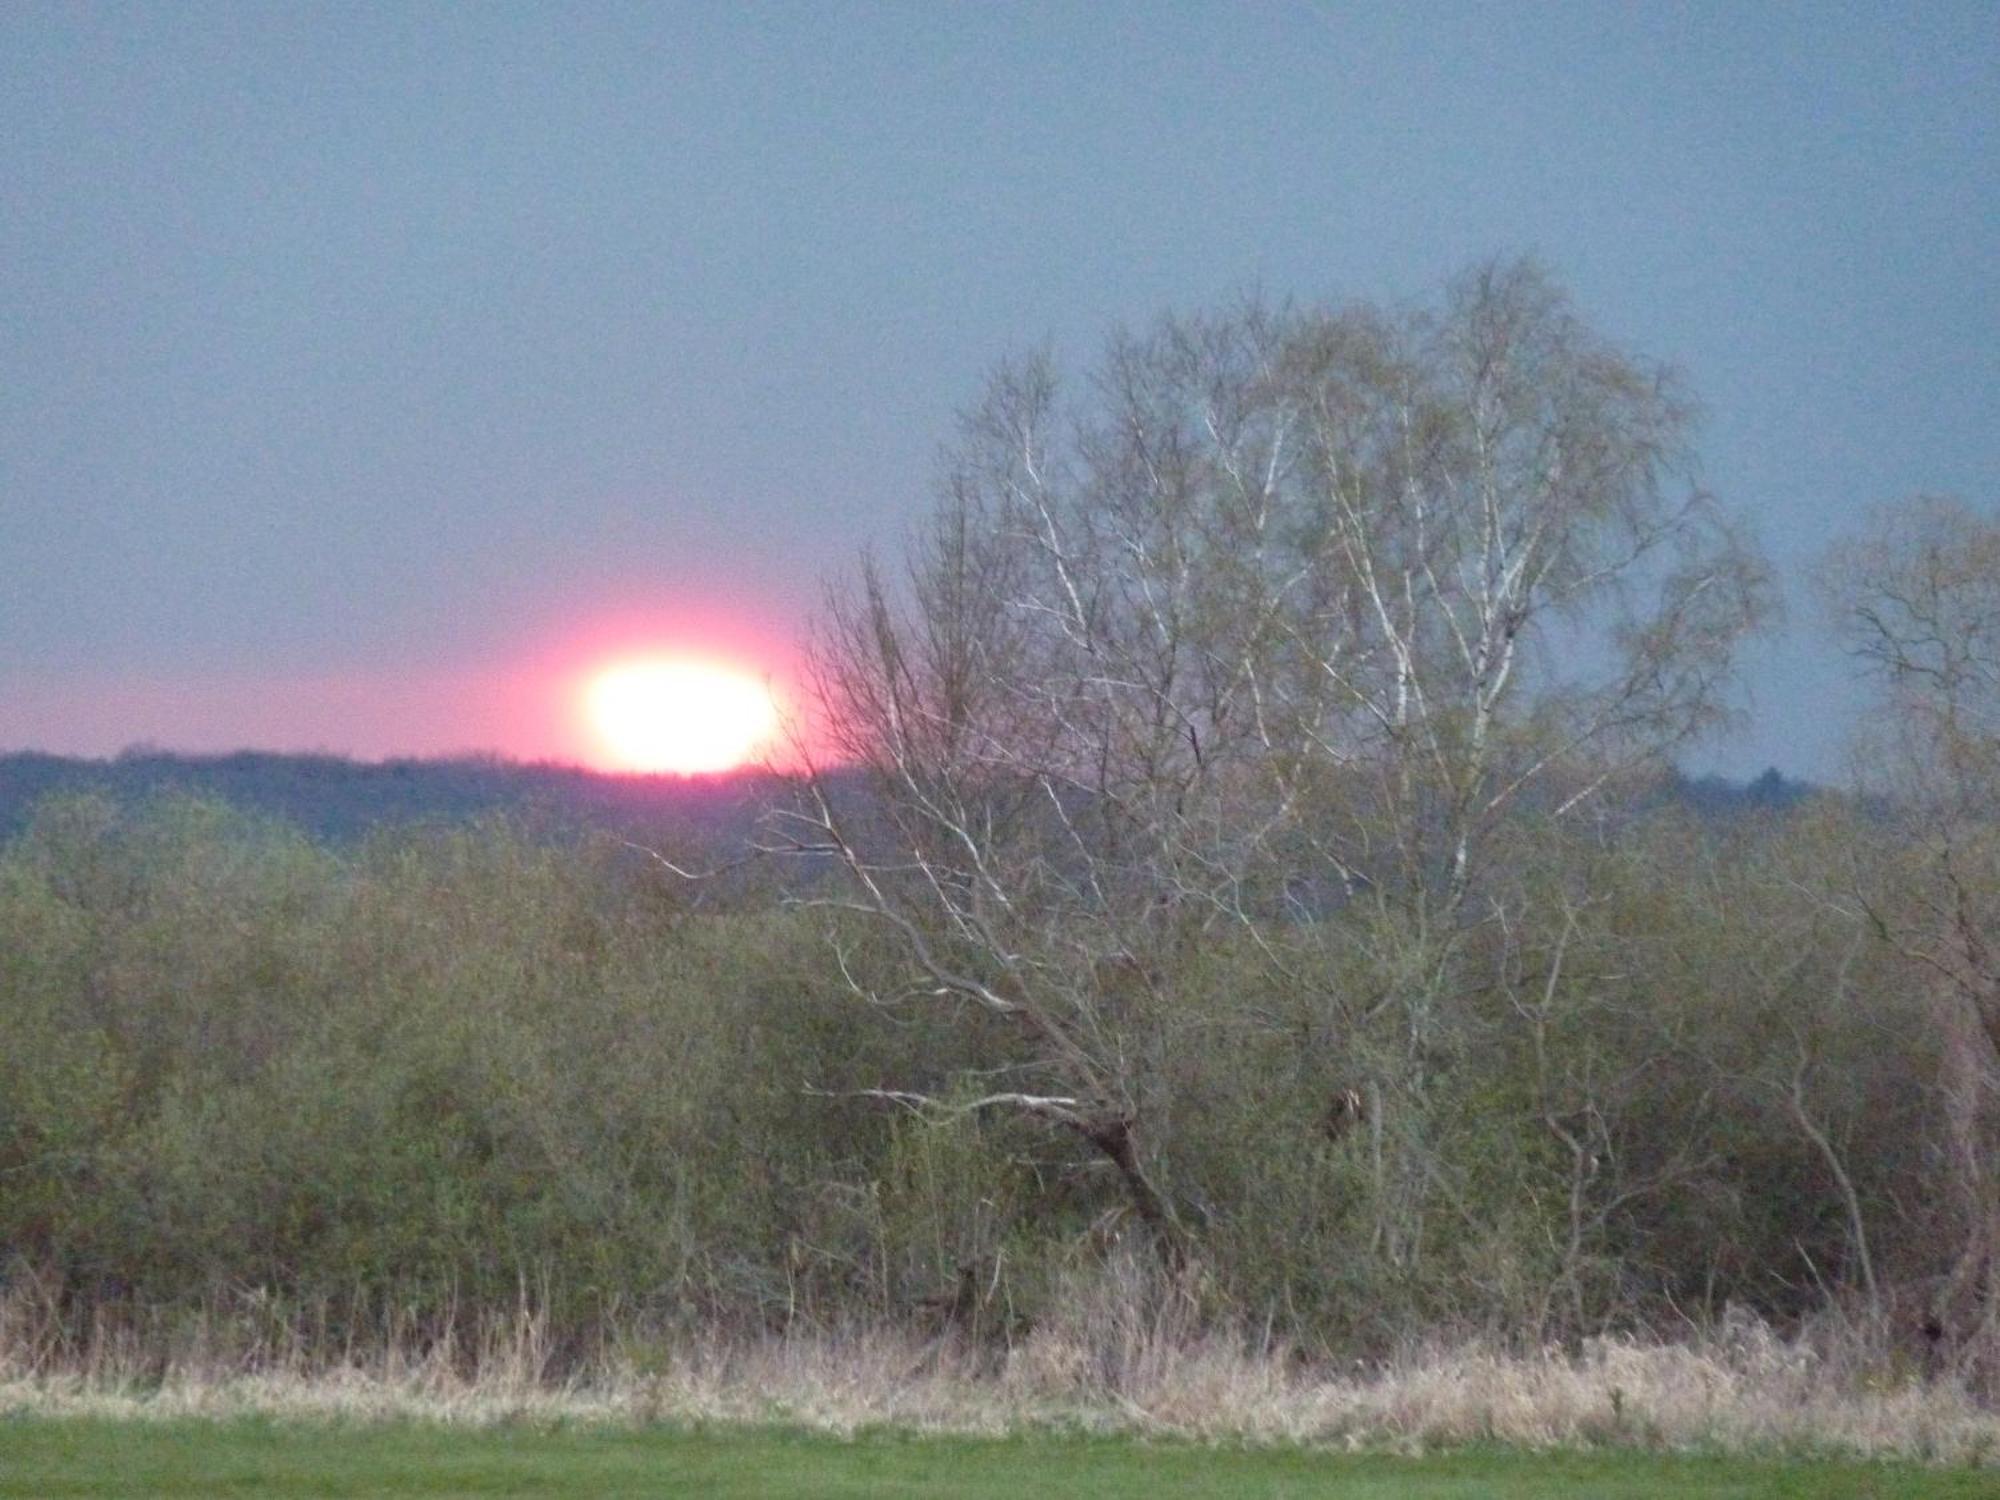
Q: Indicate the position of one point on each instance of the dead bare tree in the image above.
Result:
(1288, 612)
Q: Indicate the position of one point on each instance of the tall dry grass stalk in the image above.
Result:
(1124, 1360)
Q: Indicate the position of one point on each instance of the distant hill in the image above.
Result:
(343, 800)
(1718, 796)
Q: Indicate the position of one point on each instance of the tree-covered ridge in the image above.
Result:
(338, 798)
(335, 797)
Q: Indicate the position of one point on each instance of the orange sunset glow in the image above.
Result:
(690, 717)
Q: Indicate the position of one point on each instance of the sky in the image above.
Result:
(370, 372)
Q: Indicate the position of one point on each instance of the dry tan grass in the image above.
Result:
(1109, 1369)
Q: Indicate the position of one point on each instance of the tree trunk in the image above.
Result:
(1113, 1136)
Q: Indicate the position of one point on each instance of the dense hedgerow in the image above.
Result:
(447, 1069)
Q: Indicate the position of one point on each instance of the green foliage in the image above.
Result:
(428, 1075)
(417, 1074)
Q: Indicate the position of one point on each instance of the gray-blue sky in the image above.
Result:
(357, 355)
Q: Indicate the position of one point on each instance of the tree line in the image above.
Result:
(343, 800)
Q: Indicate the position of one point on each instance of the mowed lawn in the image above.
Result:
(51, 1458)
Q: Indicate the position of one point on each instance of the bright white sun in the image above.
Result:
(684, 716)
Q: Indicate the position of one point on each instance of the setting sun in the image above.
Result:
(682, 716)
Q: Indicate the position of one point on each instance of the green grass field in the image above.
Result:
(58, 1457)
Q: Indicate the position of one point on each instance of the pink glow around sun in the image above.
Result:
(679, 714)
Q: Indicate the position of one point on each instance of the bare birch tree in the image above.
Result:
(1286, 611)
(1916, 599)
